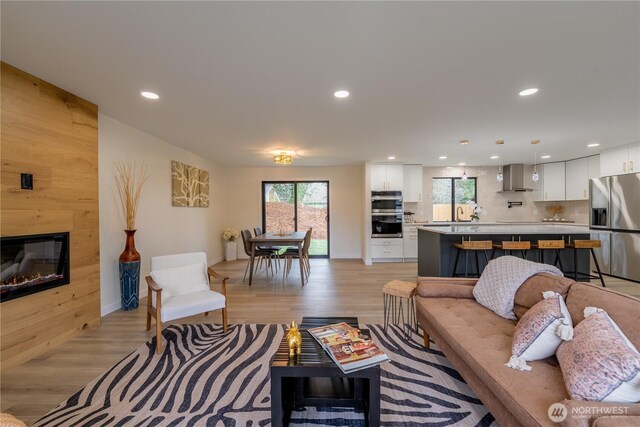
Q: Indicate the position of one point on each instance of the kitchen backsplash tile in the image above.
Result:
(494, 204)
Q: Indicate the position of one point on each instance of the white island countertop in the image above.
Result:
(510, 229)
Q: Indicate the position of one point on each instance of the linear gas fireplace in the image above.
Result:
(32, 264)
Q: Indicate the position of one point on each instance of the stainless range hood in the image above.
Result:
(514, 179)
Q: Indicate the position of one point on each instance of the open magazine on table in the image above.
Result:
(348, 349)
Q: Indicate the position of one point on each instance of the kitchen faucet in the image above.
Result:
(459, 211)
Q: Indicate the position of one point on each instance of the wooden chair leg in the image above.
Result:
(148, 317)
(224, 320)
(206, 313)
(158, 335)
(425, 338)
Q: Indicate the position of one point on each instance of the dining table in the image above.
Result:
(292, 238)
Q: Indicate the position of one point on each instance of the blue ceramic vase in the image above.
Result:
(129, 263)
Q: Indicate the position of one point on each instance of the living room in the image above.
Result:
(300, 116)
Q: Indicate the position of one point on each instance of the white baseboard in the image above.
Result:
(109, 308)
(215, 261)
(367, 261)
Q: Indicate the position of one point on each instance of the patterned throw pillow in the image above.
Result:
(540, 331)
(600, 363)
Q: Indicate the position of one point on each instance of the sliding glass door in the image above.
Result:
(298, 206)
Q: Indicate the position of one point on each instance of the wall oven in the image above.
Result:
(386, 214)
(386, 202)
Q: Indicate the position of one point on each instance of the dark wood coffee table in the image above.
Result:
(313, 379)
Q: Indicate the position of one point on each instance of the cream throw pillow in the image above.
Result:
(540, 331)
(600, 363)
(181, 280)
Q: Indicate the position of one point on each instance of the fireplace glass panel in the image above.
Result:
(32, 264)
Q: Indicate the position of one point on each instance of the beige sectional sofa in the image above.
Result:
(478, 344)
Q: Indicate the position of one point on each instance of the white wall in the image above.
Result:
(162, 229)
(346, 189)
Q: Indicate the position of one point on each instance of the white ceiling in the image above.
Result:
(238, 80)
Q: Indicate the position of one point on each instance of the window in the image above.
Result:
(451, 195)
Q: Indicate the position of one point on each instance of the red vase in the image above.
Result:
(129, 254)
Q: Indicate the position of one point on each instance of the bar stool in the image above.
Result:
(475, 247)
(585, 244)
(550, 245)
(394, 292)
(510, 246)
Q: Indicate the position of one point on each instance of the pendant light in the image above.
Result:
(464, 144)
(535, 177)
(499, 176)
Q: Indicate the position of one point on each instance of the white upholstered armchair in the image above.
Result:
(179, 286)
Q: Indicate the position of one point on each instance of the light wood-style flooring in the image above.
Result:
(335, 288)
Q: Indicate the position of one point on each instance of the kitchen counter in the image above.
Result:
(436, 253)
(493, 223)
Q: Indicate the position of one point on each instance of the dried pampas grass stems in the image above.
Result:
(129, 180)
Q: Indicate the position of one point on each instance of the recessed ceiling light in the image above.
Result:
(462, 164)
(528, 92)
(494, 157)
(546, 156)
(149, 95)
(391, 157)
(341, 93)
(443, 157)
(595, 144)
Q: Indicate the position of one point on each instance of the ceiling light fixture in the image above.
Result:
(535, 177)
(464, 144)
(443, 157)
(546, 156)
(149, 95)
(391, 157)
(499, 176)
(341, 93)
(283, 158)
(494, 157)
(528, 92)
(595, 144)
(462, 164)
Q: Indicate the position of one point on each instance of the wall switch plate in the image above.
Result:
(26, 181)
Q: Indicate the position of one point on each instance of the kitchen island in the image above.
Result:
(436, 253)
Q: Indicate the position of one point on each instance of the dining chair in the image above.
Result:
(180, 286)
(275, 249)
(292, 253)
(260, 254)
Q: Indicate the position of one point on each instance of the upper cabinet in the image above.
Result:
(578, 174)
(553, 179)
(387, 177)
(412, 183)
(620, 160)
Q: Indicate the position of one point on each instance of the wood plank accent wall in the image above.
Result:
(52, 134)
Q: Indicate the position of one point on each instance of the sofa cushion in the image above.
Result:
(530, 293)
(623, 309)
(445, 290)
(483, 341)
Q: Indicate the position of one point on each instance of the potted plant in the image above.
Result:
(475, 211)
(230, 237)
(129, 182)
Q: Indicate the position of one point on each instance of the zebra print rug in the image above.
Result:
(207, 378)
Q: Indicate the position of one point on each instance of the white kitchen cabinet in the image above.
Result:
(620, 160)
(553, 179)
(577, 179)
(634, 158)
(387, 248)
(410, 240)
(412, 192)
(594, 167)
(386, 177)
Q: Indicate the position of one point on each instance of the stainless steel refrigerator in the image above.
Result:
(615, 220)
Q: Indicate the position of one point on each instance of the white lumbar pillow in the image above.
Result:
(541, 331)
(181, 280)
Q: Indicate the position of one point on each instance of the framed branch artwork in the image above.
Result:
(189, 186)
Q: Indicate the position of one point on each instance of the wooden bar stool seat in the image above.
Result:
(394, 292)
(467, 246)
(512, 245)
(589, 245)
(550, 245)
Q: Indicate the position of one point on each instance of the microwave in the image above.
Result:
(386, 202)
